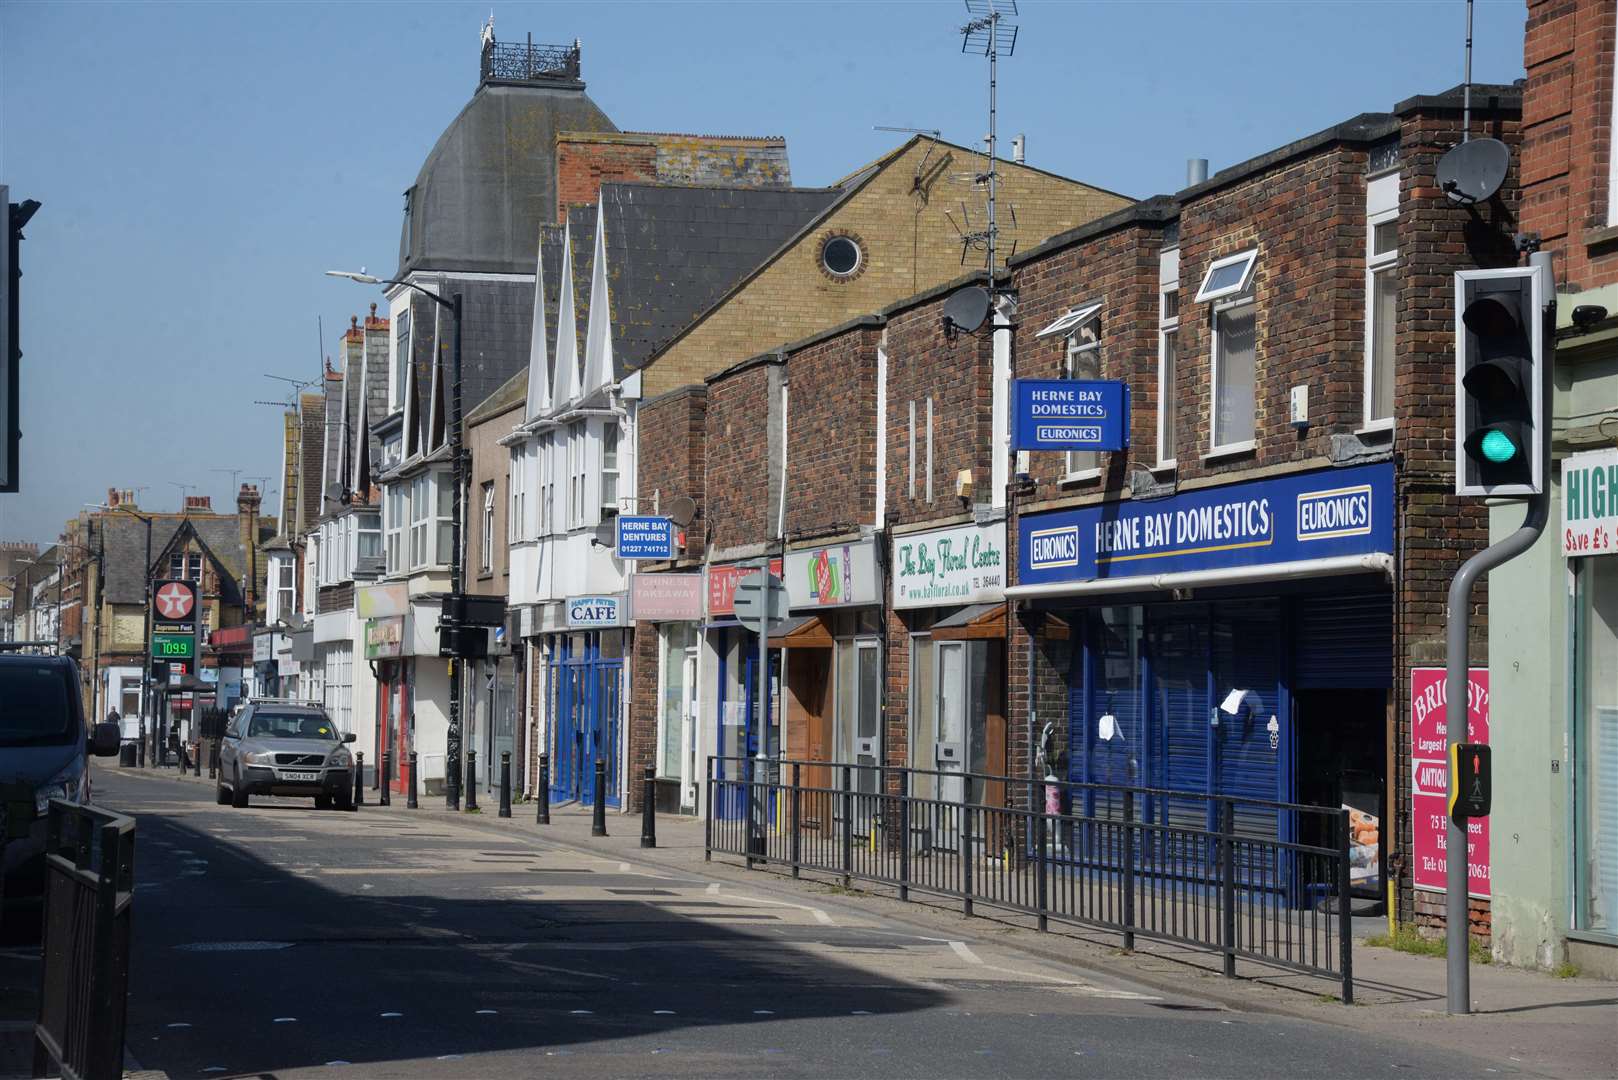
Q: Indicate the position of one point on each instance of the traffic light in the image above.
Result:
(13, 216)
(1499, 392)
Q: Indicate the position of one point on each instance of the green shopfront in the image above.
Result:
(1233, 640)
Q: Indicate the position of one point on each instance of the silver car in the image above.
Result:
(285, 748)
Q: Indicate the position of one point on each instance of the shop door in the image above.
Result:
(688, 736)
(809, 721)
(586, 722)
(950, 749)
(860, 725)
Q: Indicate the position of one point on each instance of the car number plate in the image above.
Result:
(300, 777)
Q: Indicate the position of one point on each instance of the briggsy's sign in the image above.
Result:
(962, 565)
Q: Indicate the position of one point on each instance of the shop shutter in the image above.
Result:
(1178, 635)
(1247, 651)
(1343, 642)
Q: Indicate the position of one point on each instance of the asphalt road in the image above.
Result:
(284, 941)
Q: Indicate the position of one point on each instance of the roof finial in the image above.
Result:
(488, 30)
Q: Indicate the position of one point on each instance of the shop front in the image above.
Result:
(1233, 640)
(949, 592)
(669, 606)
(585, 662)
(731, 653)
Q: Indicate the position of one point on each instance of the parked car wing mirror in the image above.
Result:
(351, 737)
(106, 739)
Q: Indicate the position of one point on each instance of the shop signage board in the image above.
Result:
(174, 601)
(961, 565)
(840, 575)
(1429, 765)
(722, 581)
(174, 646)
(1590, 503)
(594, 611)
(1071, 414)
(263, 648)
(384, 638)
(380, 601)
(665, 597)
(1313, 515)
(644, 537)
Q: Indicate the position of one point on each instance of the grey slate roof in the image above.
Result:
(582, 221)
(490, 181)
(124, 537)
(673, 251)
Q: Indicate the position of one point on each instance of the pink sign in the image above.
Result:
(1429, 760)
(665, 597)
(722, 582)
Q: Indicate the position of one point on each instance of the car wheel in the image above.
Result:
(345, 799)
(238, 793)
(322, 802)
(219, 795)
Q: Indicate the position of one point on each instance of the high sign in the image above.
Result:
(1331, 512)
(1070, 414)
(1590, 503)
(641, 537)
(837, 576)
(174, 601)
(722, 581)
(589, 611)
(961, 565)
(1429, 773)
(665, 597)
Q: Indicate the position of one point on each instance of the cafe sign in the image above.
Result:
(384, 637)
(1590, 503)
(961, 565)
(592, 611)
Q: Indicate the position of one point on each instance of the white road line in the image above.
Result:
(713, 890)
(820, 916)
(960, 948)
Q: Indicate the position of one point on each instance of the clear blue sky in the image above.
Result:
(201, 164)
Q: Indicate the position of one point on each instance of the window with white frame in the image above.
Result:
(486, 530)
(393, 526)
(609, 466)
(283, 590)
(186, 566)
(514, 494)
(1232, 407)
(444, 485)
(1381, 297)
(420, 512)
(547, 483)
(1083, 361)
(367, 537)
(401, 355)
(577, 474)
(1168, 326)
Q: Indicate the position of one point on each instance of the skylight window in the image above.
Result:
(1228, 276)
(1067, 322)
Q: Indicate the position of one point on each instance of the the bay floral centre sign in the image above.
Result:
(964, 564)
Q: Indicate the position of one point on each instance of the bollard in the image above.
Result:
(544, 792)
(359, 778)
(505, 783)
(648, 811)
(410, 792)
(213, 761)
(196, 760)
(385, 792)
(598, 812)
(471, 780)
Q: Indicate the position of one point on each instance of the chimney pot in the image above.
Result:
(1196, 171)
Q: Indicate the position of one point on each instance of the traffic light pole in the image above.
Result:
(1456, 700)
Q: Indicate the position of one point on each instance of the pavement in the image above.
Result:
(284, 941)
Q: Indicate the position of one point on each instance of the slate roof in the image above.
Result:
(490, 180)
(582, 221)
(514, 392)
(673, 251)
(124, 537)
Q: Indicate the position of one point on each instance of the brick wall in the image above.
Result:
(490, 463)
(737, 459)
(831, 435)
(586, 160)
(670, 432)
(1567, 137)
(642, 648)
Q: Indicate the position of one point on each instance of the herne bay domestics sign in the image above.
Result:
(1071, 414)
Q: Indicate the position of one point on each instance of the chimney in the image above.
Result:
(1019, 148)
(248, 501)
(1196, 171)
(200, 504)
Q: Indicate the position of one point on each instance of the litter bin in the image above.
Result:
(126, 754)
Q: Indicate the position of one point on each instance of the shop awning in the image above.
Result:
(801, 632)
(1379, 562)
(973, 621)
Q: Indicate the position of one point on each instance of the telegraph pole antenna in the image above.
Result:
(988, 34)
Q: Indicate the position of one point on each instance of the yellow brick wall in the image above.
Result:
(902, 220)
(128, 630)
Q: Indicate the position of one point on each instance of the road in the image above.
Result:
(283, 941)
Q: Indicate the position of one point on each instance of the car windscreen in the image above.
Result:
(35, 705)
(295, 724)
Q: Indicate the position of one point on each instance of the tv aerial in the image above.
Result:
(1473, 171)
(988, 34)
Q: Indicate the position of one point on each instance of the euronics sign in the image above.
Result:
(1071, 414)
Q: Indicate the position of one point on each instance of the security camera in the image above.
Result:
(1587, 315)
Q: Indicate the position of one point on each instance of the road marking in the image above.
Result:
(860, 1012)
(233, 946)
(488, 1012)
(178, 1025)
(391, 1014)
(581, 1012)
(960, 948)
(286, 1020)
(713, 890)
(623, 868)
(339, 1061)
(763, 1012)
(820, 916)
(663, 1012)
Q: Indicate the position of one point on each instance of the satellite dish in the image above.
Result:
(1473, 171)
(682, 509)
(967, 308)
(334, 491)
(606, 534)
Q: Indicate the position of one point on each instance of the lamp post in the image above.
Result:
(452, 748)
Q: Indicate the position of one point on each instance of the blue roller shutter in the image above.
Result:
(1343, 642)
(1247, 655)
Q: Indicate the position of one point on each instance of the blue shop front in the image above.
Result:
(1232, 640)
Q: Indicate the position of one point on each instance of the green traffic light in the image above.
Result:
(1498, 447)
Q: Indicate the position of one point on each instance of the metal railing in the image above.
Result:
(89, 882)
(512, 62)
(1249, 879)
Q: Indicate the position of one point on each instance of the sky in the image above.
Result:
(201, 164)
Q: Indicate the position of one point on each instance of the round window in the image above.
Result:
(841, 255)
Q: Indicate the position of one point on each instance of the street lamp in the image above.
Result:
(452, 748)
(146, 660)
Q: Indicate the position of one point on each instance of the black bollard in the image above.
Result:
(648, 811)
(359, 778)
(410, 792)
(213, 761)
(505, 783)
(196, 765)
(385, 790)
(471, 780)
(598, 812)
(544, 792)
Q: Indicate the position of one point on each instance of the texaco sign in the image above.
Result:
(174, 602)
